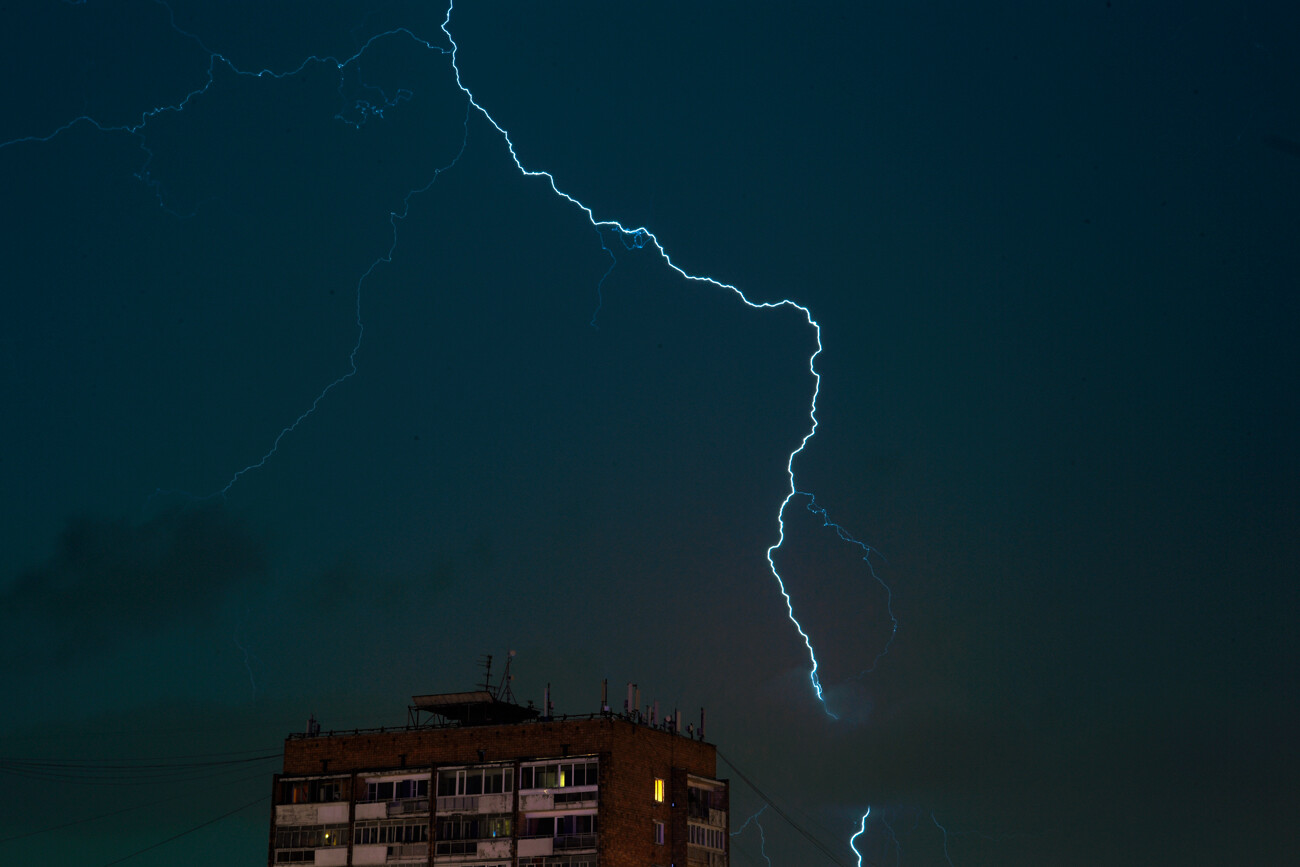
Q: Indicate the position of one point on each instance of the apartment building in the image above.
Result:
(479, 781)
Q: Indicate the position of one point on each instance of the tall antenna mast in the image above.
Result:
(504, 692)
(486, 662)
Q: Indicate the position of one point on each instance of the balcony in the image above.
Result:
(389, 809)
(406, 852)
(530, 847)
(311, 814)
(698, 856)
(570, 797)
(556, 799)
(500, 803)
(570, 842)
(412, 805)
(499, 848)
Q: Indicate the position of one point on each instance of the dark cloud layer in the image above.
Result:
(109, 579)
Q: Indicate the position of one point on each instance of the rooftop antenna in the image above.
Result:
(504, 692)
(486, 662)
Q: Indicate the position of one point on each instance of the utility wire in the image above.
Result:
(143, 765)
(821, 847)
(169, 798)
(123, 774)
(184, 833)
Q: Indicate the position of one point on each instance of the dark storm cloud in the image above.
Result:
(108, 579)
(350, 581)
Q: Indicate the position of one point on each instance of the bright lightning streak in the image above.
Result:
(639, 237)
(862, 829)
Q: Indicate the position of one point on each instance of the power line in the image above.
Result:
(184, 833)
(144, 764)
(821, 847)
(122, 774)
(169, 798)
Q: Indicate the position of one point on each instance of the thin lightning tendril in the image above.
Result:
(944, 830)
(898, 850)
(358, 113)
(249, 656)
(762, 837)
(867, 551)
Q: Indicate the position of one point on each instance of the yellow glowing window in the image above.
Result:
(659, 791)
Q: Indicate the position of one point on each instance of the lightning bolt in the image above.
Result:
(867, 551)
(249, 656)
(762, 837)
(640, 237)
(944, 831)
(898, 850)
(862, 829)
(360, 111)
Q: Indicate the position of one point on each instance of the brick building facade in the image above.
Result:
(495, 784)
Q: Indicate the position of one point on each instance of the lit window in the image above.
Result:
(659, 790)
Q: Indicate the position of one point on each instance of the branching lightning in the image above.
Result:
(356, 112)
(639, 237)
(867, 551)
(762, 837)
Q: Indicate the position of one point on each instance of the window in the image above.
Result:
(293, 792)
(474, 781)
(326, 790)
(402, 831)
(659, 790)
(310, 836)
(659, 833)
(708, 837)
(396, 790)
(560, 826)
(560, 775)
(406, 789)
(700, 802)
(474, 828)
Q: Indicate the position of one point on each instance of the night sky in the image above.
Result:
(1053, 252)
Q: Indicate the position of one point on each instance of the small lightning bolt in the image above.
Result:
(867, 552)
(862, 829)
(249, 656)
(762, 837)
(944, 831)
(898, 850)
